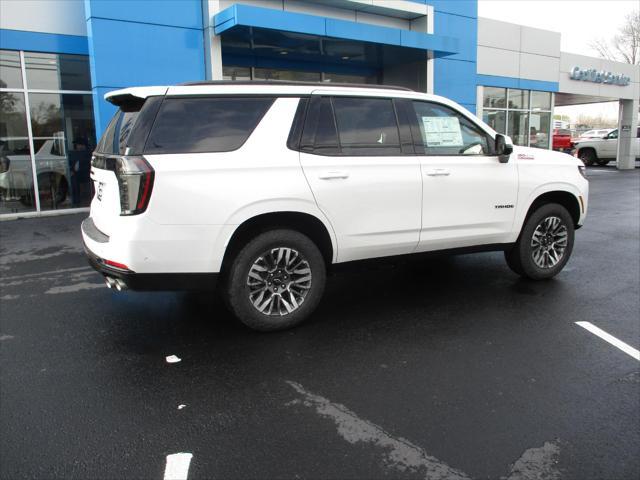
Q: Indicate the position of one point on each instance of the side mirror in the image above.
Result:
(504, 147)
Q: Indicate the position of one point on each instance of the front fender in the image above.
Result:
(525, 204)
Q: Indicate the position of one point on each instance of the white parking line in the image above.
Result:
(177, 467)
(628, 349)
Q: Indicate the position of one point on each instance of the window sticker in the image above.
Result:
(442, 131)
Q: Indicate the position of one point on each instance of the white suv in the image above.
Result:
(261, 187)
(602, 150)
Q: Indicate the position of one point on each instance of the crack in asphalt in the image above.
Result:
(538, 463)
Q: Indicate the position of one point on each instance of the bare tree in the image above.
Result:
(625, 45)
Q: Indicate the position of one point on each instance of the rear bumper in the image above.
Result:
(144, 281)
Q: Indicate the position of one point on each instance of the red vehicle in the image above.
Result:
(562, 140)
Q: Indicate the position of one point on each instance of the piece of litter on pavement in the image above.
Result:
(181, 406)
(173, 359)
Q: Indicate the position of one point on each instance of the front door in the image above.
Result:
(609, 145)
(469, 197)
(352, 157)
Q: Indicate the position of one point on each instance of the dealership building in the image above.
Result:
(59, 57)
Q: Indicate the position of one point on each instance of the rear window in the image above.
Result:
(199, 125)
(129, 128)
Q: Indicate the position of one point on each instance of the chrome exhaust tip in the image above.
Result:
(110, 282)
(120, 285)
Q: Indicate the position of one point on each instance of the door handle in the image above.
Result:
(333, 175)
(438, 172)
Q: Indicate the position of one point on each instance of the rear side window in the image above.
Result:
(367, 126)
(129, 127)
(205, 124)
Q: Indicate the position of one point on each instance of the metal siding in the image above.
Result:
(455, 76)
(511, 82)
(456, 79)
(359, 31)
(43, 42)
(310, 24)
(175, 13)
(125, 52)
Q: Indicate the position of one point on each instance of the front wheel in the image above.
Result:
(544, 245)
(276, 281)
(588, 156)
(602, 162)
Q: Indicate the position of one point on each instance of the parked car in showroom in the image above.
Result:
(261, 187)
(16, 173)
(603, 150)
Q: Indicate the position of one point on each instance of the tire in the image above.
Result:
(588, 156)
(531, 261)
(602, 162)
(261, 266)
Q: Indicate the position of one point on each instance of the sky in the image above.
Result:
(578, 21)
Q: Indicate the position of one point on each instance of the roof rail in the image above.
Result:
(298, 84)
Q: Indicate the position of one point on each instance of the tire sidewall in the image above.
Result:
(588, 157)
(237, 290)
(529, 267)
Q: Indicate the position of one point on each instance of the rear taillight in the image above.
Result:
(135, 182)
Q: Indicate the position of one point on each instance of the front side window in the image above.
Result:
(207, 124)
(367, 126)
(447, 132)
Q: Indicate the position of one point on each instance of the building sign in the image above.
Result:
(599, 76)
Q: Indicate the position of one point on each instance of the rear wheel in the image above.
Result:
(276, 281)
(544, 245)
(588, 156)
(602, 162)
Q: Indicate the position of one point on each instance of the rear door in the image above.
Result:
(469, 197)
(359, 162)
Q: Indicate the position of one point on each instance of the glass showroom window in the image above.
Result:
(47, 131)
(524, 115)
(230, 72)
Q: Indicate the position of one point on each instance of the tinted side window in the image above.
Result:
(366, 126)
(444, 131)
(320, 135)
(129, 127)
(207, 124)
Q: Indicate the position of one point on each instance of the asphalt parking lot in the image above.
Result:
(440, 368)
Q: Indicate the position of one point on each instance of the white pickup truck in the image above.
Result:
(602, 150)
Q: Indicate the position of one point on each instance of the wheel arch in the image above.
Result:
(566, 198)
(303, 222)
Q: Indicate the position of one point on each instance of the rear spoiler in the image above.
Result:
(132, 99)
